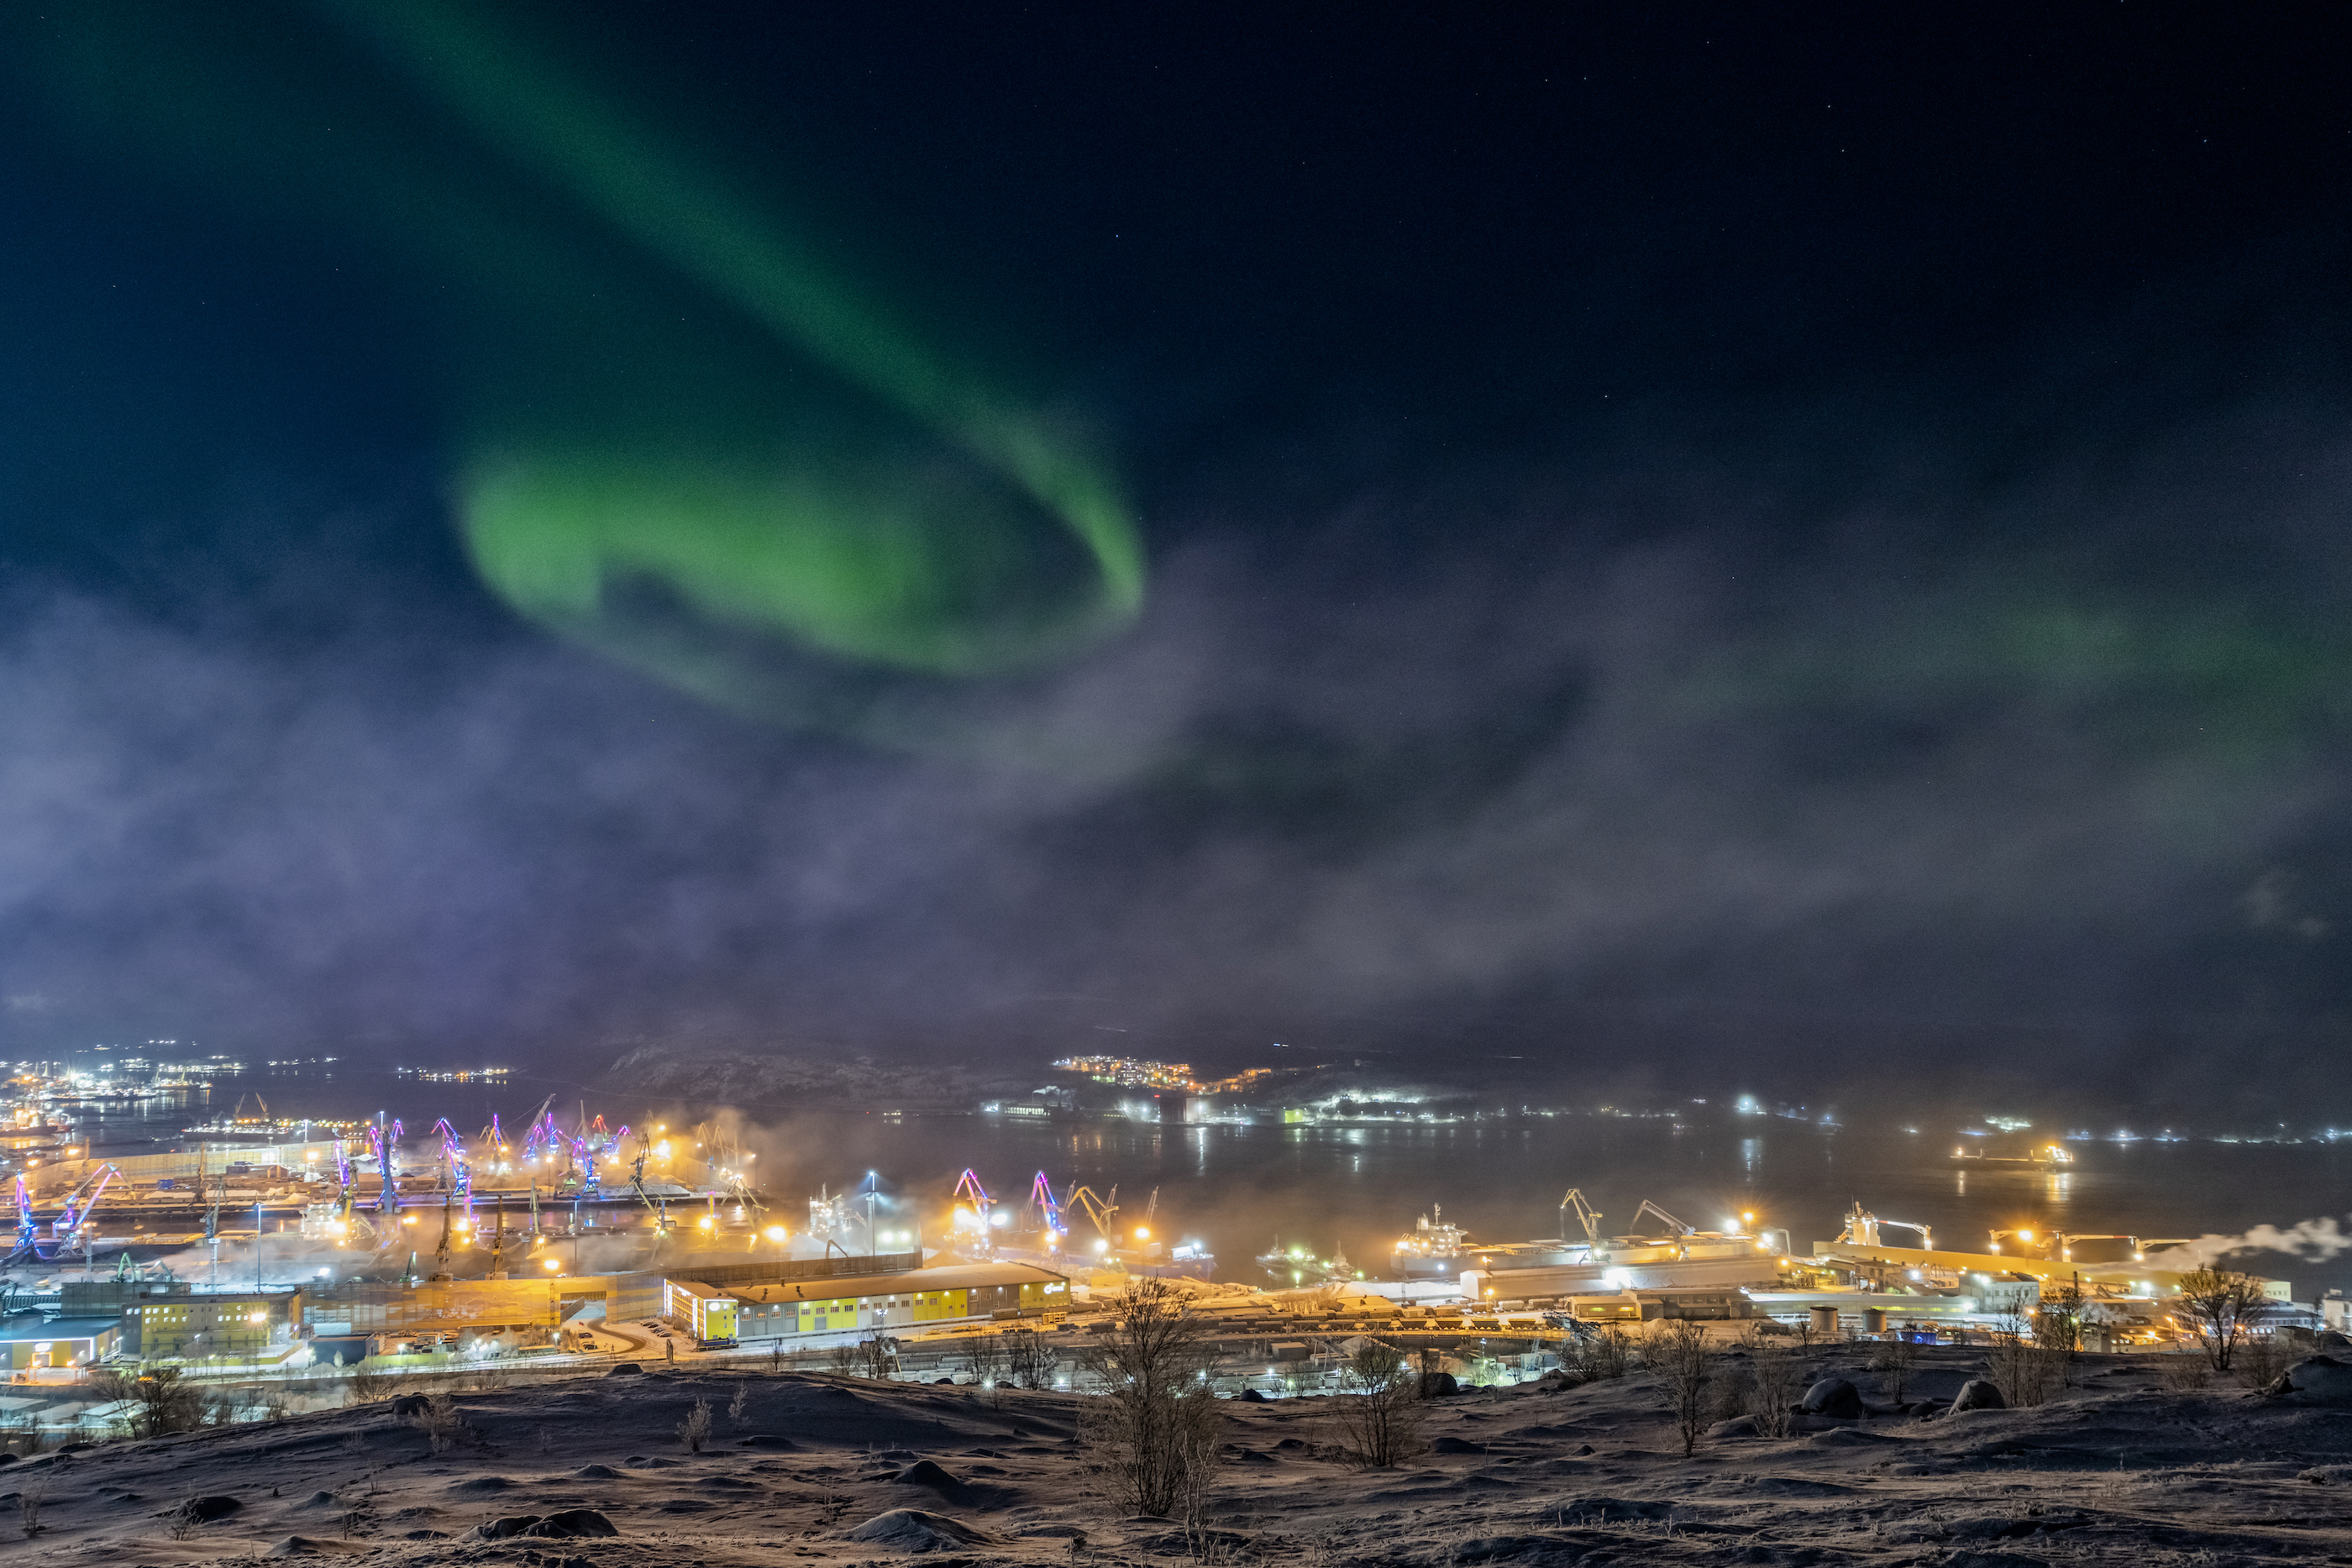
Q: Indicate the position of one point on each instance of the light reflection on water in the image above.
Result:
(1362, 1187)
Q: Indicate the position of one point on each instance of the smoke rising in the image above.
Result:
(2313, 1240)
(1598, 768)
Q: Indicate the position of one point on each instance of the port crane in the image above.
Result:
(1098, 1210)
(1675, 1227)
(1587, 1216)
(1861, 1229)
(1049, 1209)
(660, 1211)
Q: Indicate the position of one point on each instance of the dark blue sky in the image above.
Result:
(1788, 539)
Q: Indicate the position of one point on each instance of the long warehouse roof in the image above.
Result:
(963, 1277)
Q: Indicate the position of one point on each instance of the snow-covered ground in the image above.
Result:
(2115, 1470)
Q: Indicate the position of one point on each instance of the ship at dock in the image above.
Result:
(1666, 1253)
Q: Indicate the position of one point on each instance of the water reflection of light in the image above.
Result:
(1751, 1151)
(2062, 1186)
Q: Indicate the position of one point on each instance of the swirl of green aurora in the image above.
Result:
(685, 435)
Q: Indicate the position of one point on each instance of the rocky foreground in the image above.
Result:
(591, 1473)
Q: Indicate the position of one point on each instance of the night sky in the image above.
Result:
(1703, 547)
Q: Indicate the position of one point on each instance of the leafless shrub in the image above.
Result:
(28, 1510)
(2261, 1359)
(1379, 1415)
(275, 1405)
(738, 1404)
(2184, 1372)
(440, 1422)
(369, 1383)
(1028, 1359)
(776, 1357)
(1156, 1426)
(2222, 1308)
(1773, 1374)
(983, 1359)
(2025, 1370)
(1894, 1362)
(695, 1430)
(1678, 1352)
(1603, 1355)
(843, 1359)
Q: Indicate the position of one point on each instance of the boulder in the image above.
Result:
(502, 1529)
(1456, 1446)
(404, 1405)
(1834, 1397)
(624, 1369)
(2330, 1338)
(915, 1530)
(924, 1473)
(1252, 1397)
(1978, 1394)
(2316, 1380)
(205, 1510)
(1738, 1426)
(1438, 1385)
(309, 1546)
(597, 1473)
(573, 1524)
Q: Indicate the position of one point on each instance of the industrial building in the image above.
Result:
(30, 1341)
(902, 1301)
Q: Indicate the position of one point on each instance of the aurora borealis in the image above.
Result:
(1571, 538)
(809, 467)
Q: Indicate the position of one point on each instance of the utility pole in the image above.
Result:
(256, 1244)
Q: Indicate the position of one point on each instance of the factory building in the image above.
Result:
(31, 1340)
(902, 1301)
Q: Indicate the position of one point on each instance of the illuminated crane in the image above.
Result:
(1587, 1216)
(1099, 1210)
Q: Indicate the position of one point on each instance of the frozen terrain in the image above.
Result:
(822, 1468)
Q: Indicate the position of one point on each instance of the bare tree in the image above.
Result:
(165, 1404)
(1678, 1352)
(2059, 1324)
(1379, 1411)
(695, 1430)
(1157, 1425)
(2220, 1308)
(742, 1402)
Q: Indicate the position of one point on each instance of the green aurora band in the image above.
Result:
(682, 437)
(853, 570)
